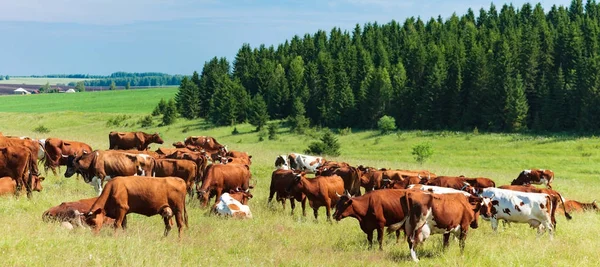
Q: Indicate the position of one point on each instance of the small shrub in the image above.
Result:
(422, 152)
(299, 124)
(272, 128)
(475, 131)
(345, 131)
(186, 129)
(386, 124)
(146, 121)
(41, 129)
(329, 145)
(261, 135)
(235, 131)
(117, 120)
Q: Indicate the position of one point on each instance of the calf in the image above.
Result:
(320, 191)
(142, 195)
(576, 206)
(229, 206)
(280, 180)
(8, 185)
(71, 212)
(534, 176)
(438, 213)
(374, 211)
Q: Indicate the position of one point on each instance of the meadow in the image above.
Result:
(274, 237)
(40, 81)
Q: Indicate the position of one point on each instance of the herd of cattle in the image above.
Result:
(416, 201)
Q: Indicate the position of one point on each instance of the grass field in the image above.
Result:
(40, 81)
(274, 237)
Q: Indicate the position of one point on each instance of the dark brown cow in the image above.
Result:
(220, 178)
(132, 140)
(320, 191)
(8, 185)
(458, 182)
(371, 178)
(349, 174)
(534, 176)
(16, 162)
(209, 144)
(438, 213)
(57, 150)
(100, 165)
(374, 211)
(184, 169)
(71, 212)
(280, 181)
(142, 195)
(555, 197)
(576, 206)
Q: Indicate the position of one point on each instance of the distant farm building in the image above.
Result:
(21, 91)
(70, 90)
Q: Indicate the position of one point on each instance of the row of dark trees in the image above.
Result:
(506, 70)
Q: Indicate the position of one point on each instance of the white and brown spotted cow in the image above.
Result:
(305, 163)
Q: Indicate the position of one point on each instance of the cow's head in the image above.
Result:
(95, 219)
(80, 164)
(179, 144)
(546, 174)
(36, 183)
(470, 189)
(282, 163)
(296, 184)
(488, 207)
(594, 205)
(343, 208)
(156, 138)
(241, 195)
(476, 203)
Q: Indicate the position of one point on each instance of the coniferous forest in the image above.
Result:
(500, 69)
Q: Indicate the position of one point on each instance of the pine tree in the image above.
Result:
(516, 107)
(187, 99)
(258, 115)
(170, 113)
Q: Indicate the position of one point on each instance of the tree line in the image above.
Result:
(124, 79)
(500, 70)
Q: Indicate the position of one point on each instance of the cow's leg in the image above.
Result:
(446, 240)
(494, 222)
(370, 238)
(218, 196)
(167, 225)
(303, 204)
(397, 236)
(328, 210)
(120, 218)
(316, 213)
(380, 237)
(462, 238)
(411, 246)
(180, 221)
(292, 204)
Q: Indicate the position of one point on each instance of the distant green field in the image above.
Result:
(120, 101)
(40, 81)
(273, 237)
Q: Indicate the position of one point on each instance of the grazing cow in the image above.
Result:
(320, 191)
(182, 145)
(229, 206)
(142, 195)
(554, 195)
(132, 140)
(576, 206)
(305, 163)
(57, 150)
(220, 178)
(534, 176)
(513, 206)
(458, 182)
(371, 178)
(207, 143)
(101, 165)
(280, 180)
(17, 162)
(374, 211)
(349, 174)
(8, 185)
(438, 213)
(71, 212)
(184, 169)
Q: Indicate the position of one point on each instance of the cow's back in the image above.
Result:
(8, 186)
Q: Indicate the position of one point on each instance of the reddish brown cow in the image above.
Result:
(374, 211)
(223, 178)
(209, 144)
(280, 181)
(438, 213)
(197, 157)
(349, 174)
(8, 185)
(150, 153)
(71, 211)
(16, 162)
(534, 176)
(576, 206)
(184, 169)
(405, 182)
(320, 191)
(132, 140)
(458, 182)
(58, 150)
(242, 161)
(142, 195)
(555, 197)
(243, 196)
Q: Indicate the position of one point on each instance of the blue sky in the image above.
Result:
(178, 36)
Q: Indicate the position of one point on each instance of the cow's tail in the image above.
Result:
(562, 200)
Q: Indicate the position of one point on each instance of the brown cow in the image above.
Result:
(320, 191)
(349, 174)
(58, 150)
(280, 180)
(243, 196)
(197, 157)
(534, 176)
(100, 165)
(576, 206)
(554, 196)
(71, 212)
(132, 140)
(405, 182)
(374, 211)
(220, 178)
(184, 169)
(438, 213)
(142, 195)
(458, 182)
(17, 162)
(8, 185)
(209, 144)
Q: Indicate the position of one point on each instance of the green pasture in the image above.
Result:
(40, 81)
(274, 237)
(133, 101)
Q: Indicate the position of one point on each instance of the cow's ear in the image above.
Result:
(495, 202)
(41, 178)
(230, 160)
(250, 156)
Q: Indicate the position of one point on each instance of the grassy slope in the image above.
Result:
(40, 81)
(274, 237)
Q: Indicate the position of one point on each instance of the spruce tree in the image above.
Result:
(258, 115)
